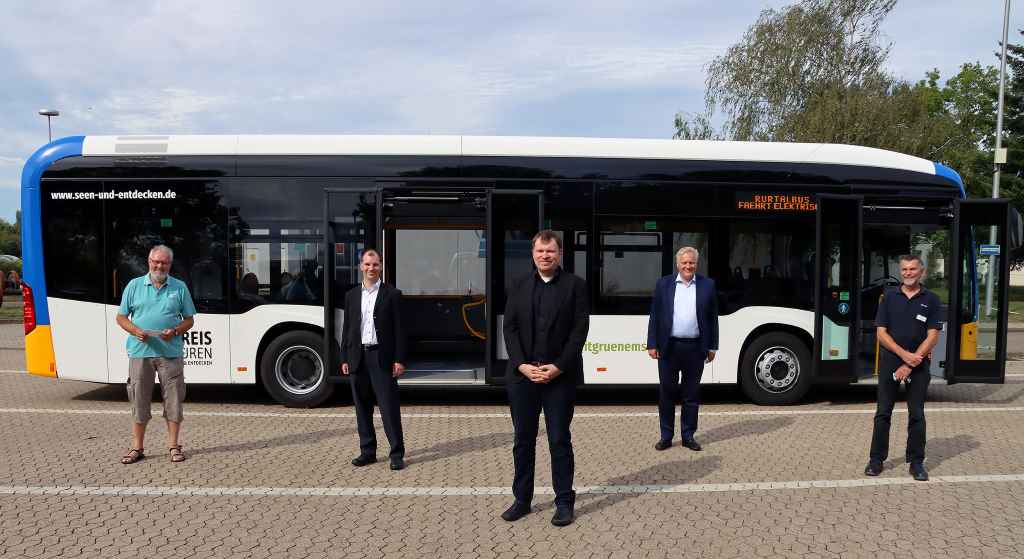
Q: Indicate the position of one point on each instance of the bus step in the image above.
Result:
(442, 376)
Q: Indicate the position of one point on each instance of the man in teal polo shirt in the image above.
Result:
(156, 310)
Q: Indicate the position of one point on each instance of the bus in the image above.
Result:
(267, 230)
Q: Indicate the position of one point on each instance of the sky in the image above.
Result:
(537, 68)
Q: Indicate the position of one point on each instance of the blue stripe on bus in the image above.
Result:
(31, 218)
(947, 173)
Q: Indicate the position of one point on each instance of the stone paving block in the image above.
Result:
(766, 486)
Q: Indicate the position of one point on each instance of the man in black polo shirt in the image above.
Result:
(908, 325)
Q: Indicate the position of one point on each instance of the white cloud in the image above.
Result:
(163, 110)
(337, 66)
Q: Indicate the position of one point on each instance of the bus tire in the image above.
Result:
(292, 370)
(776, 369)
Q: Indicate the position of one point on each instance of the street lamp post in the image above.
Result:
(999, 159)
(49, 113)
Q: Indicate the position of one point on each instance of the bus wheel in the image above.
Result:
(776, 369)
(292, 370)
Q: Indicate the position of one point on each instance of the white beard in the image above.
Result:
(158, 277)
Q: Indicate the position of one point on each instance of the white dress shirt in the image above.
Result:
(367, 304)
(684, 309)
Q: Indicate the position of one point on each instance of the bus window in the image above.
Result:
(192, 224)
(579, 254)
(987, 284)
(697, 240)
(278, 242)
(253, 276)
(635, 252)
(73, 246)
(301, 274)
(770, 263)
(631, 260)
(933, 246)
(439, 262)
(569, 211)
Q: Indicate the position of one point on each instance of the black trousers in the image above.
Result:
(558, 400)
(371, 383)
(684, 359)
(888, 389)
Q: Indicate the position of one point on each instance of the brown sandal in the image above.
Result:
(176, 454)
(133, 455)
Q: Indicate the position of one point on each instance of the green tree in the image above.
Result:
(789, 58)
(10, 236)
(1011, 180)
(813, 72)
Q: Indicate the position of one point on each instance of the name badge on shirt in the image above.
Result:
(922, 318)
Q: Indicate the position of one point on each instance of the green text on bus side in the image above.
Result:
(598, 347)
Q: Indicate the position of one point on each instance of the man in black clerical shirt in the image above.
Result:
(546, 321)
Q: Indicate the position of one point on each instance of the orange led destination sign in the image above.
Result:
(776, 203)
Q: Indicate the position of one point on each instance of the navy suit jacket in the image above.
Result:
(659, 328)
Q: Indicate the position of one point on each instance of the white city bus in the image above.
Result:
(800, 239)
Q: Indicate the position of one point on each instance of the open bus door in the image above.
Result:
(513, 218)
(352, 223)
(837, 288)
(979, 292)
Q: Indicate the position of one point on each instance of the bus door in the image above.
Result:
(352, 223)
(513, 218)
(837, 287)
(433, 236)
(976, 340)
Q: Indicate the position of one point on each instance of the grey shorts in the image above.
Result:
(141, 376)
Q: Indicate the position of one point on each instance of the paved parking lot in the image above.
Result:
(265, 481)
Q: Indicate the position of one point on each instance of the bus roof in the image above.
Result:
(504, 146)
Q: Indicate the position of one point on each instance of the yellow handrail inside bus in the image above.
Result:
(465, 318)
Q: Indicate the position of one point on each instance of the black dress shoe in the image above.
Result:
(873, 468)
(516, 511)
(919, 473)
(662, 445)
(692, 444)
(397, 464)
(363, 460)
(563, 516)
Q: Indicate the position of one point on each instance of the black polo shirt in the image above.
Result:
(907, 320)
(545, 308)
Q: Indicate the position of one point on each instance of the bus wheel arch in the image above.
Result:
(775, 365)
(292, 365)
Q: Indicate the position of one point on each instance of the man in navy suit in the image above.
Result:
(682, 335)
